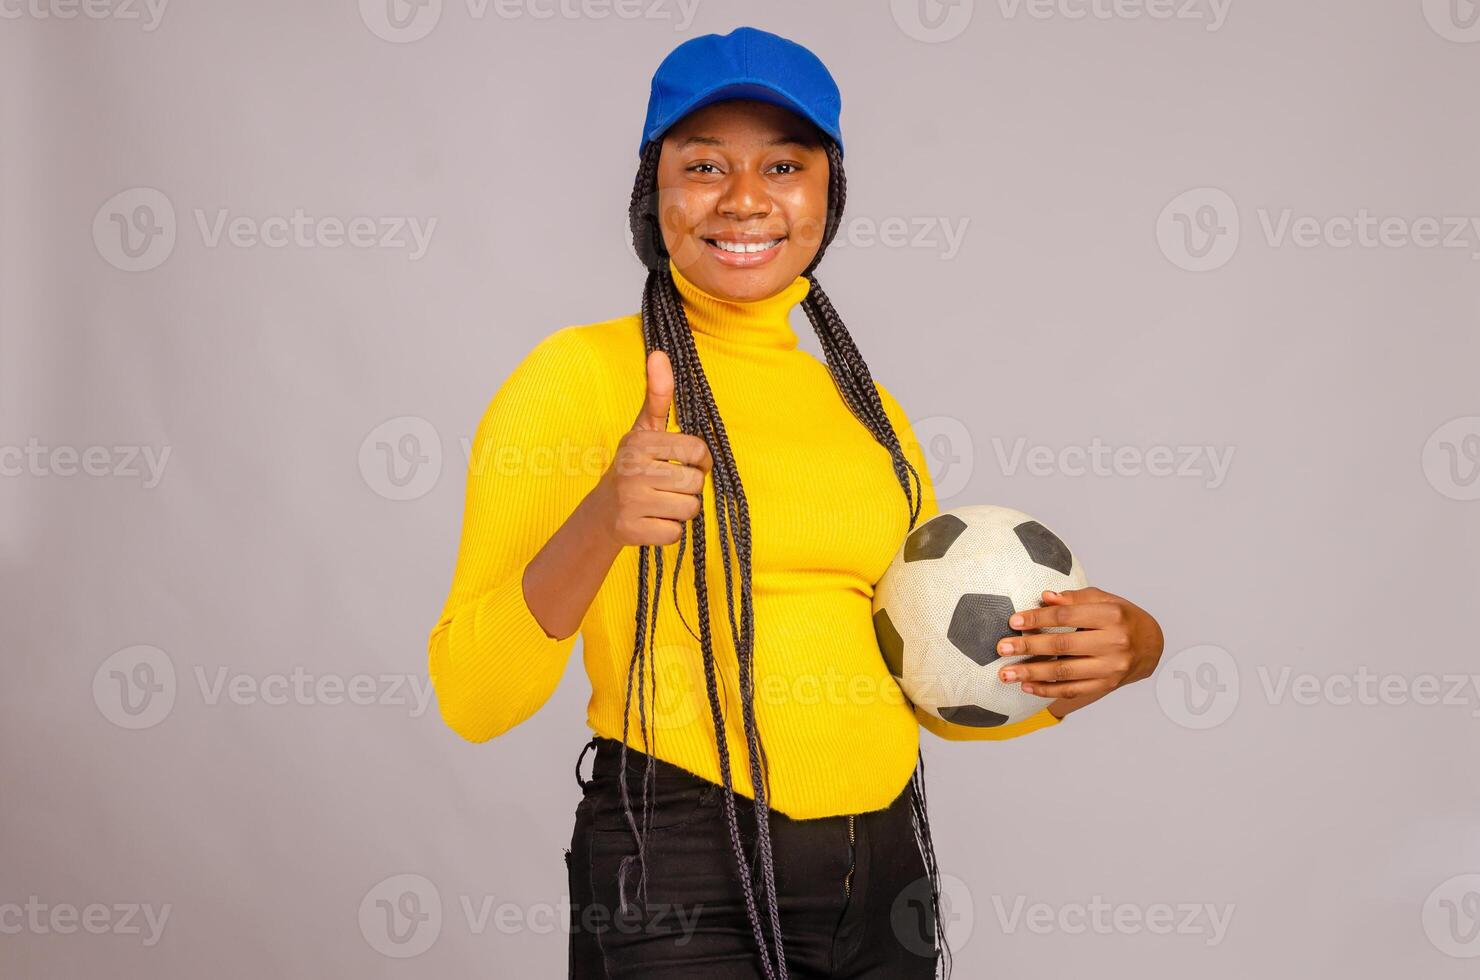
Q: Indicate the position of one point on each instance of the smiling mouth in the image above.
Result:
(744, 248)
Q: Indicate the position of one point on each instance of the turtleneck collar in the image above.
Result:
(761, 323)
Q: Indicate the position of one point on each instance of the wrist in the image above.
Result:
(593, 517)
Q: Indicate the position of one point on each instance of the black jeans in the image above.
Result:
(856, 908)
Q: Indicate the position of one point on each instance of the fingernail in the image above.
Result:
(1005, 648)
(1028, 688)
(1016, 621)
(1009, 675)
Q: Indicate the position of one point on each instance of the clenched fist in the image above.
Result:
(656, 480)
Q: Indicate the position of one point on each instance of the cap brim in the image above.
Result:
(760, 91)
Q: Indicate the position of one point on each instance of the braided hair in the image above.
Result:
(665, 327)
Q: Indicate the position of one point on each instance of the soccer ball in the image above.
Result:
(944, 601)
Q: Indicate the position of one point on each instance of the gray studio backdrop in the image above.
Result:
(1195, 282)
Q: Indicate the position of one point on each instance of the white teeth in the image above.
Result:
(748, 246)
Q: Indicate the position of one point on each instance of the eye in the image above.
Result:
(791, 167)
(699, 167)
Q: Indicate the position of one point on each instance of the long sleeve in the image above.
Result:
(537, 452)
(929, 508)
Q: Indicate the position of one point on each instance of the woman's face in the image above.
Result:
(740, 175)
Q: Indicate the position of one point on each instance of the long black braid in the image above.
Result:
(665, 327)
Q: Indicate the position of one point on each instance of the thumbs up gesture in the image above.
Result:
(656, 480)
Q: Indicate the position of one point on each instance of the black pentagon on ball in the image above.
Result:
(973, 715)
(1044, 547)
(978, 623)
(891, 644)
(933, 538)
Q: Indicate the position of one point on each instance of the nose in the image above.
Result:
(745, 197)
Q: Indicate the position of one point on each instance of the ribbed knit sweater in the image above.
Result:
(827, 516)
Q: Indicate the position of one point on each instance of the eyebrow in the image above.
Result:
(783, 140)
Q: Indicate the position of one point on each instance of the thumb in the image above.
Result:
(659, 397)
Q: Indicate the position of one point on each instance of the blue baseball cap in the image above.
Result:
(744, 64)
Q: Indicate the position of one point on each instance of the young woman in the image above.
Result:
(756, 806)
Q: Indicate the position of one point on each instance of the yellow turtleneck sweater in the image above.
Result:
(827, 516)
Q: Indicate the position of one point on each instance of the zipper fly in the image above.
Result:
(852, 859)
